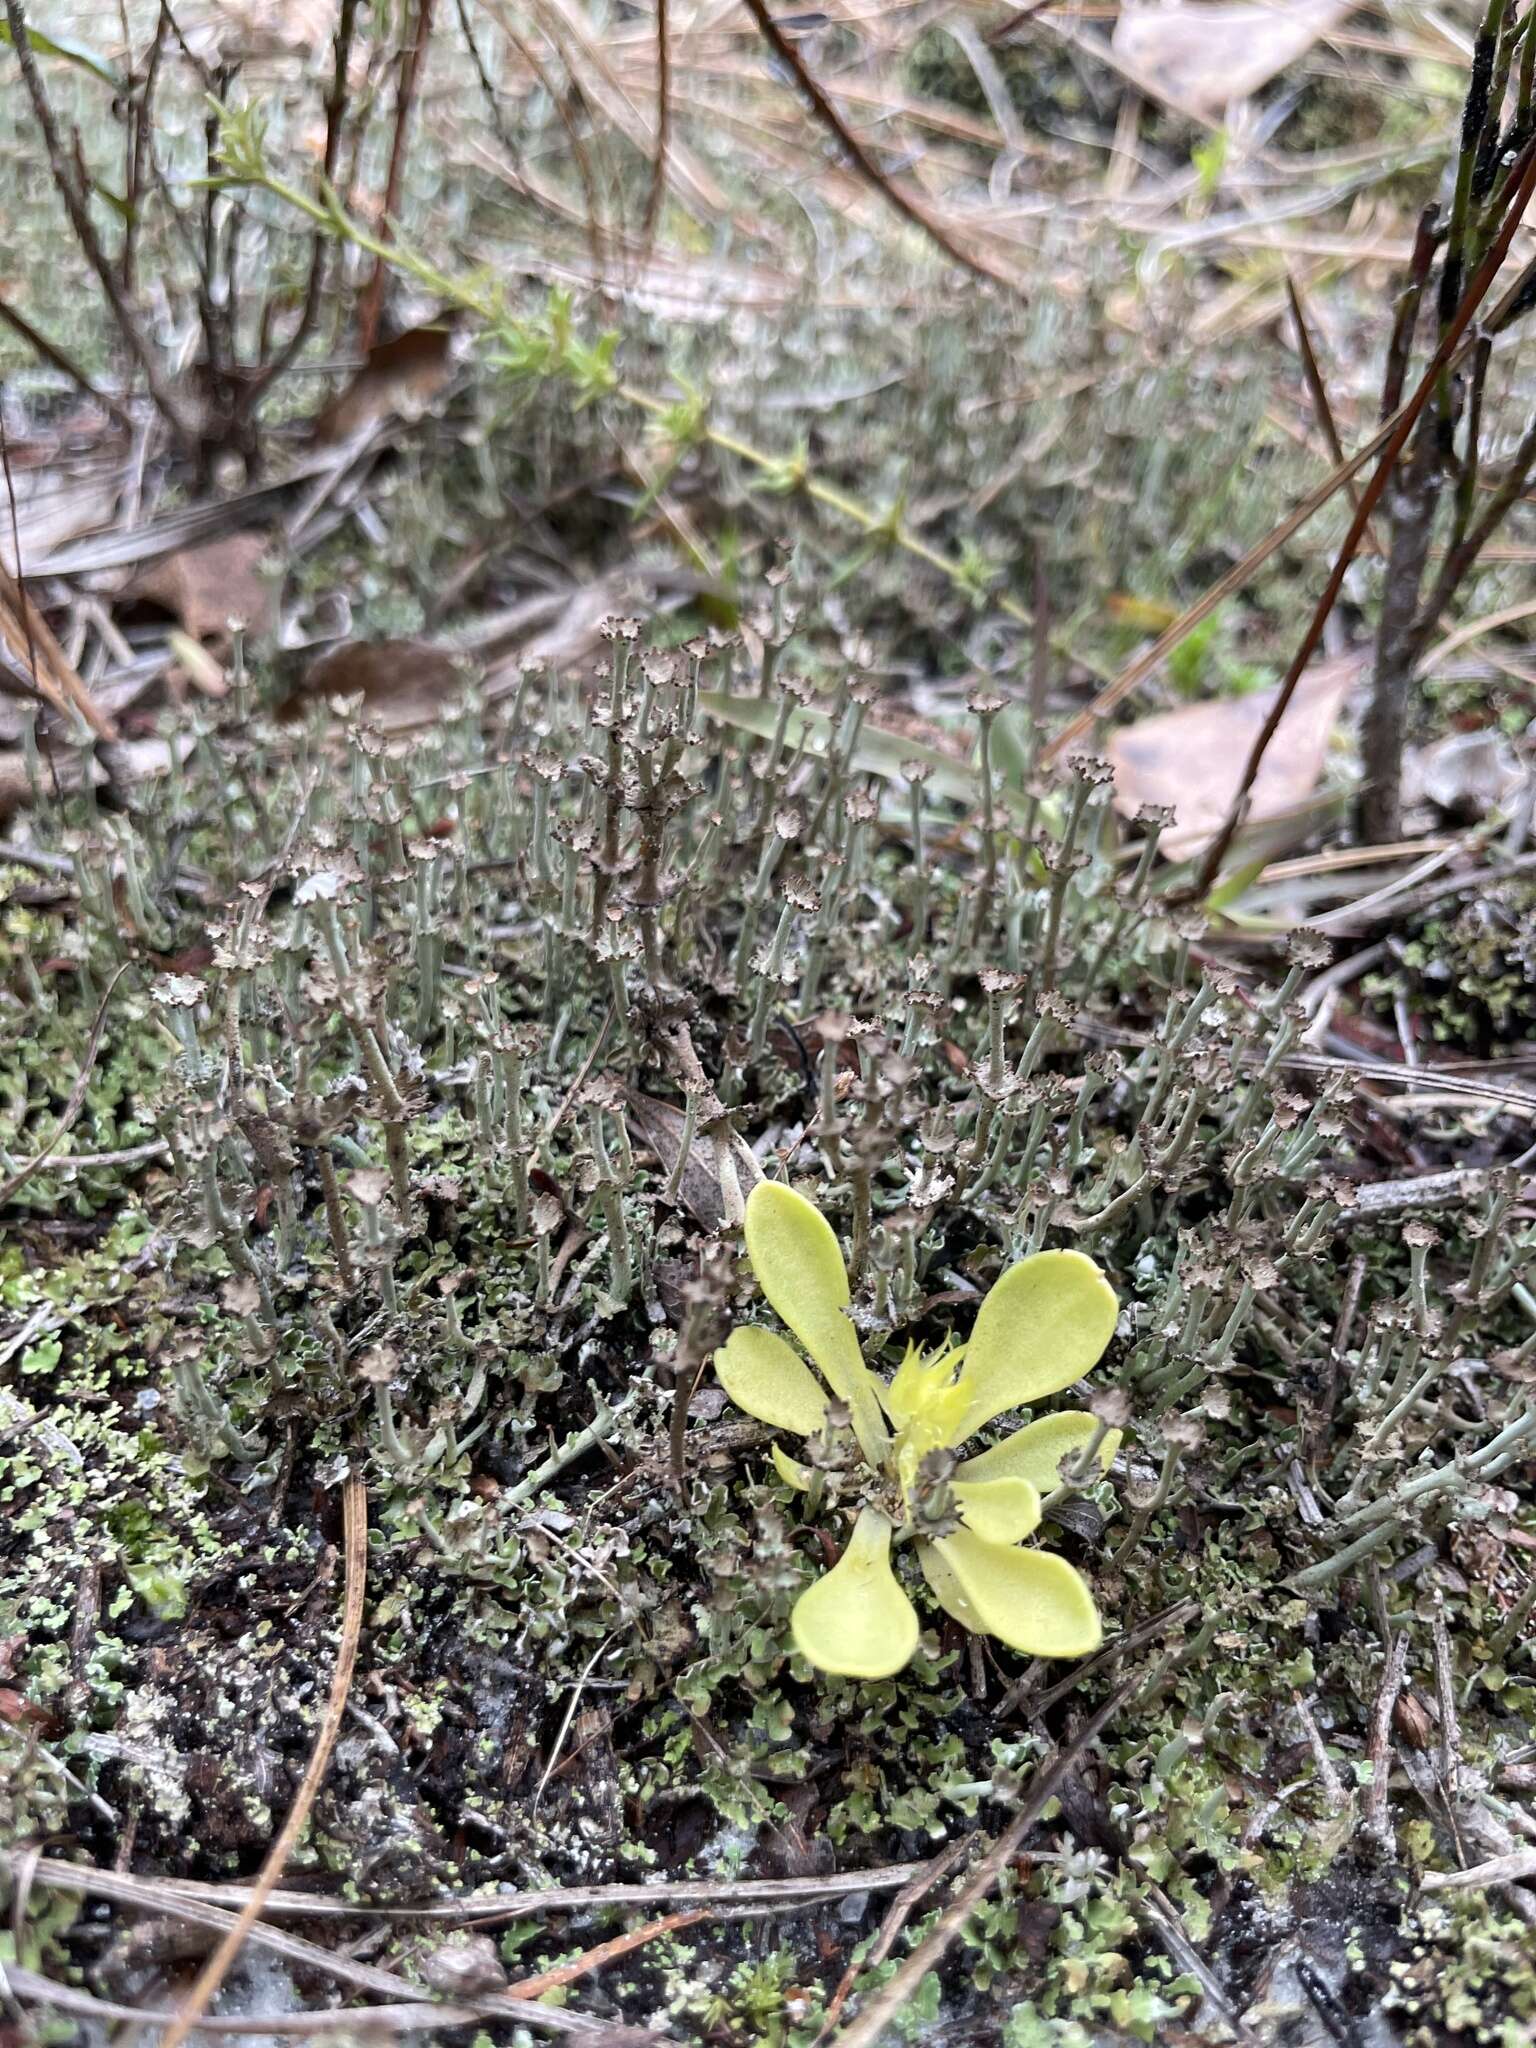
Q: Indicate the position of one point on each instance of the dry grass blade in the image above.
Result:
(350, 2021)
(1513, 1869)
(893, 195)
(1376, 1823)
(36, 655)
(893, 1997)
(214, 1971)
(162, 1895)
(755, 1894)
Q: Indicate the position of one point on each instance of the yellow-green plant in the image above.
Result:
(1041, 1327)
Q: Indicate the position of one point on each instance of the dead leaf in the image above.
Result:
(1200, 58)
(204, 587)
(402, 682)
(720, 1172)
(401, 376)
(1193, 759)
(1465, 773)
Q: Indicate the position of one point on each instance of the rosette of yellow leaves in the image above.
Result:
(1041, 1327)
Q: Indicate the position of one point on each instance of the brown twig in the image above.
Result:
(658, 187)
(1137, 671)
(77, 207)
(893, 195)
(1317, 390)
(328, 1963)
(412, 59)
(65, 365)
(1471, 299)
(335, 109)
(606, 1952)
(1154, 1628)
(897, 1992)
(18, 1180)
(901, 1910)
(355, 1541)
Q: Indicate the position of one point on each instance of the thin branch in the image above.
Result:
(352, 2022)
(65, 365)
(604, 1953)
(1317, 389)
(335, 109)
(76, 205)
(902, 1907)
(658, 188)
(1439, 363)
(411, 61)
(897, 1993)
(893, 195)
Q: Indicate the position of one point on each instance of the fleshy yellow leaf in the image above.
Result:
(857, 1622)
(790, 1470)
(763, 1376)
(1043, 1325)
(1030, 1599)
(946, 1588)
(998, 1510)
(1035, 1452)
(800, 1269)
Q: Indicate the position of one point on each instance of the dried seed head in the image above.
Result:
(1056, 1007)
(1186, 1432)
(1308, 948)
(176, 991)
(1112, 1406)
(378, 1366)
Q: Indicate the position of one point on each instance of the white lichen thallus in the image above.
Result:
(1041, 1327)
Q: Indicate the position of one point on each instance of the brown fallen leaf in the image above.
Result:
(1199, 58)
(402, 376)
(402, 682)
(705, 1188)
(1193, 759)
(206, 586)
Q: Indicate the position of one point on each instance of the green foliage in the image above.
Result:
(396, 1208)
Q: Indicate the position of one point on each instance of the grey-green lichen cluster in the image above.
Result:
(445, 1064)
